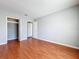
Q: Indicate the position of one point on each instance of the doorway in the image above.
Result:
(12, 29)
(29, 29)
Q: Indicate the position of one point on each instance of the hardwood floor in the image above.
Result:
(36, 49)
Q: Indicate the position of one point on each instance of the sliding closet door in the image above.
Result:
(12, 31)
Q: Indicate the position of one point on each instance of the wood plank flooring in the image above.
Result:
(36, 49)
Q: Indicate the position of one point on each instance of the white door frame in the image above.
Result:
(31, 33)
(7, 27)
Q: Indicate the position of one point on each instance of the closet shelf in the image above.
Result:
(12, 22)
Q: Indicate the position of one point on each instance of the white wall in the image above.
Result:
(60, 27)
(23, 28)
(3, 25)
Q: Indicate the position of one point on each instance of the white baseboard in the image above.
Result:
(70, 46)
(3, 43)
(22, 39)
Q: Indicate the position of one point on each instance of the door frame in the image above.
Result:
(18, 24)
(27, 29)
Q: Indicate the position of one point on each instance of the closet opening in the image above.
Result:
(12, 29)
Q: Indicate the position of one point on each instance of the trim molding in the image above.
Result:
(66, 45)
(22, 39)
(3, 43)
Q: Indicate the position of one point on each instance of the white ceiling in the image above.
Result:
(36, 8)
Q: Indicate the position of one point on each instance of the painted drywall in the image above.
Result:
(3, 25)
(12, 31)
(60, 27)
(23, 28)
(37, 8)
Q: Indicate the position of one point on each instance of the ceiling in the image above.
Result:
(36, 8)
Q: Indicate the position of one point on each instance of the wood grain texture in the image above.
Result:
(36, 49)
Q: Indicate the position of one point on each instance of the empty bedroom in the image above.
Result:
(39, 29)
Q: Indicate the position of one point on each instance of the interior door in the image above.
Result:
(29, 29)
